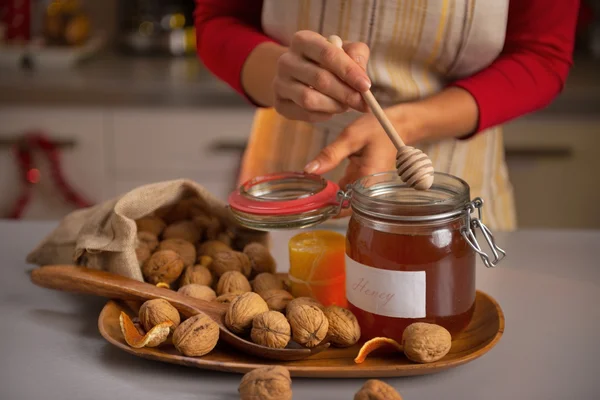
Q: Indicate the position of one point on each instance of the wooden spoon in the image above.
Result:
(413, 166)
(76, 279)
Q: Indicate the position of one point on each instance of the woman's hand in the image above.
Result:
(315, 79)
(366, 145)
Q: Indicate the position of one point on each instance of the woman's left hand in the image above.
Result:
(365, 144)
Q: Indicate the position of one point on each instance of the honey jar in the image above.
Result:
(410, 255)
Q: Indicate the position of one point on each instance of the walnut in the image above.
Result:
(344, 330)
(303, 300)
(277, 299)
(185, 209)
(271, 329)
(196, 274)
(212, 247)
(185, 249)
(266, 281)
(242, 311)
(233, 281)
(153, 312)
(149, 239)
(227, 298)
(196, 336)
(225, 237)
(374, 389)
(261, 259)
(153, 225)
(163, 266)
(143, 253)
(230, 261)
(266, 383)
(425, 343)
(309, 324)
(185, 230)
(198, 292)
(209, 224)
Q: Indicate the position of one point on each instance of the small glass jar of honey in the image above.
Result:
(410, 255)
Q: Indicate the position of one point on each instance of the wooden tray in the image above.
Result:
(482, 334)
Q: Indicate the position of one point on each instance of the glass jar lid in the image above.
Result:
(286, 200)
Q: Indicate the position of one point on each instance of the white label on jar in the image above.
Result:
(398, 294)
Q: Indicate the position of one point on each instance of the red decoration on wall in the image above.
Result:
(16, 16)
(31, 175)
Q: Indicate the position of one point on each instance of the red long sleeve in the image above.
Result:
(226, 32)
(529, 73)
(533, 66)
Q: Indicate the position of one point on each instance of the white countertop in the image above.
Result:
(548, 287)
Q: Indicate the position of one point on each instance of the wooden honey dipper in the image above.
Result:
(413, 166)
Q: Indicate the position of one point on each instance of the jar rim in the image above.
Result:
(385, 195)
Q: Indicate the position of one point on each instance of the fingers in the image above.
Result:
(332, 155)
(306, 97)
(359, 52)
(318, 49)
(293, 111)
(292, 66)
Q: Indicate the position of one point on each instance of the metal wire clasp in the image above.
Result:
(342, 200)
(468, 233)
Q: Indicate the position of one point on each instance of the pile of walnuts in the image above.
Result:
(186, 248)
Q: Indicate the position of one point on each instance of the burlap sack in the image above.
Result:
(105, 236)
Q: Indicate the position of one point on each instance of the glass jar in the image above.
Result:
(410, 254)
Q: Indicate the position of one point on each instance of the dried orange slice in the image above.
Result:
(163, 285)
(154, 337)
(375, 344)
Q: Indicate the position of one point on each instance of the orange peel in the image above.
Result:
(375, 344)
(153, 338)
(163, 285)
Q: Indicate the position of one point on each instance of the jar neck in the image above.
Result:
(384, 197)
(456, 222)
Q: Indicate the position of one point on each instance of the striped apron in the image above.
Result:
(417, 46)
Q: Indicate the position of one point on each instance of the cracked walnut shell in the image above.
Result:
(156, 311)
(233, 281)
(374, 389)
(198, 274)
(163, 266)
(260, 257)
(271, 329)
(344, 330)
(198, 292)
(266, 383)
(277, 299)
(185, 249)
(266, 281)
(196, 336)
(231, 261)
(424, 343)
(242, 311)
(309, 325)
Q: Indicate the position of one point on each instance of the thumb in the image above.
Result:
(330, 156)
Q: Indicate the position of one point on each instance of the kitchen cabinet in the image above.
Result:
(554, 166)
(113, 151)
(84, 161)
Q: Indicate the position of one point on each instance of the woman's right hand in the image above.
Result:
(316, 80)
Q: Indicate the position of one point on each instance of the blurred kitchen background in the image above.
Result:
(99, 97)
